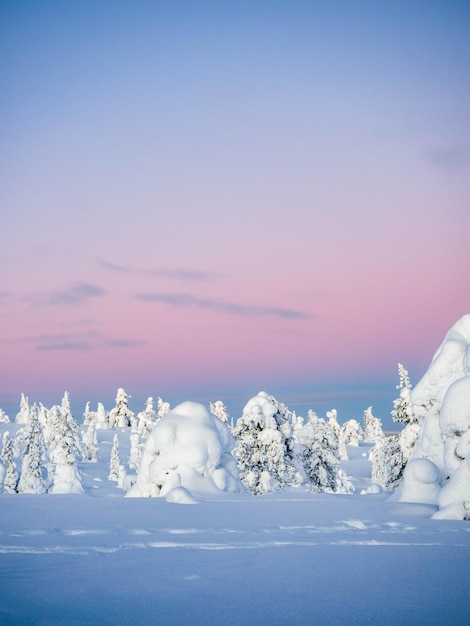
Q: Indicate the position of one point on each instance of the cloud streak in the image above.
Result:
(78, 293)
(232, 308)
(180, 274)
(79, 342)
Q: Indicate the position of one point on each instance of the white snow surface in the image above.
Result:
(286, 558)
(189, 448)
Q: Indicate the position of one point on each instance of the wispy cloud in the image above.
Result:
(180, 274)
(78, 293)
(456, 157)
(79, 342)
(232, 308)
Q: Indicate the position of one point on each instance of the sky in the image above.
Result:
(203, 200)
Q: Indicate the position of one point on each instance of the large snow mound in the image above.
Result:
(188, 448)
(441, 400)
(421, 483)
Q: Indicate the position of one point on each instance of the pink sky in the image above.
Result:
(198, 202)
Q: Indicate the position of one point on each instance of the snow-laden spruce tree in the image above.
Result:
(23, 416)
(319, 454)
(121, 415)
(62, 450)
(135, 453)
(146, 419)
(114, 461)
(89, 443)
(373, 432)
(162, 408)
(101, 417)
(264, 446)
(219, 409)
(33, 478)
(333, 423)
(10, 481)
(351, 433)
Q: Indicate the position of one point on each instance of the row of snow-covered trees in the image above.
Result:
(273, 447)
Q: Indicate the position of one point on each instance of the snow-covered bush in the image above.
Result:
(265, 446)
(188, 448)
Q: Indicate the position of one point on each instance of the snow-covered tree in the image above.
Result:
(319, 454)
(264, 446)
(23, 416)
(88, 416)
(352, 433)
(10, 481)
(62, 448)
(338, 431)
(135, 453)
(372, 427)
(4, 417)
(219, 409)
(89, 441)
(33, 478)
(101, 418)
(121, 416)
(402, 409)
(114, 461)
(146, 419)
(162, 408)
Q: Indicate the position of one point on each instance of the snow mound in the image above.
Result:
(180, 495)
(191, 449)
(442, 400)
(421, 483)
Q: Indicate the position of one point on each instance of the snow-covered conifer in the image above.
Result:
(33, 478)
(62, 447)
(352, 433)
(146, 419)
(4, 417)
(265, 446)
(135, 453)
(372, 427)
(338, 431)
(23, 416)
(121, 416)
(10, 481)
(114, 461)
(88, 416)
(101, 418)
(162, 408)
(402, 409)
(89, 441)
(319, 454)
(219, 409)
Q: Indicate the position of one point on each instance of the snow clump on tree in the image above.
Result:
(265, 446)
(188, 449)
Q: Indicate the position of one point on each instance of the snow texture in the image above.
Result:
(188, 448)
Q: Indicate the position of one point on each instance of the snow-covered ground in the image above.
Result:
(291, 557)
